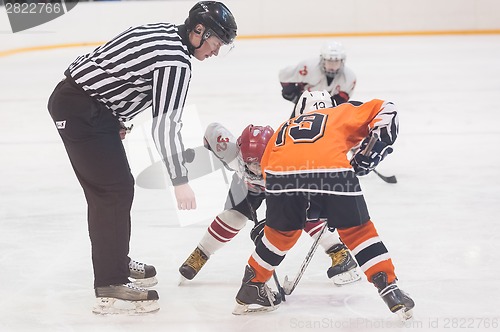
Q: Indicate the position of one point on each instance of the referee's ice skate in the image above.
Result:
(143, 275)
(125, 299)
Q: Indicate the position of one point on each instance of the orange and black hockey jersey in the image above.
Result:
(318, 142)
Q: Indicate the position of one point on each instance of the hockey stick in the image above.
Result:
(387, 179)
(370, 145)
(281, 290)
(289, 285)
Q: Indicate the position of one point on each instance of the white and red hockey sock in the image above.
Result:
(328, 240)
(223, 229)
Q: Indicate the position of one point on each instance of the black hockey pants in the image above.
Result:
(90, 134)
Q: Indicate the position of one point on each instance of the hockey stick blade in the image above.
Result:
(287, 286)
(278, 286)
(388, 179)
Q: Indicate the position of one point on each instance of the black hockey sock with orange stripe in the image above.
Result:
(370, 252)
(270, 252)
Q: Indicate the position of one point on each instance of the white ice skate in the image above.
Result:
(347, 277)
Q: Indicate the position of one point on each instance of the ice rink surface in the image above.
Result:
(439, 222)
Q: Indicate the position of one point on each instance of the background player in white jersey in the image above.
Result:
(326, 72)
(245, 196)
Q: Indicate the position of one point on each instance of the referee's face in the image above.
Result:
(210, 46)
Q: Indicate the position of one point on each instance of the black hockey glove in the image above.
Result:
(365, 162)
(258, 231)
(340, 98)
(292, 91)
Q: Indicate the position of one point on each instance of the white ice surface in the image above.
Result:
(439, 222)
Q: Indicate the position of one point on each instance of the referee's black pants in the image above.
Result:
(91, 137)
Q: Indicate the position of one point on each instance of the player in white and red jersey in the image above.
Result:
(326, 72)
(243, 155)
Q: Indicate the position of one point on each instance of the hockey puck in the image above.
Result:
(189, 155)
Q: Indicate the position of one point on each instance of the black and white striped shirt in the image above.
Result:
(145, 66)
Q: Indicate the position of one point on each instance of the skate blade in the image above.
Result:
(112, 306)
(145, 283)
(405, 314)
(182, 280)
(346, 277)
(245, 309)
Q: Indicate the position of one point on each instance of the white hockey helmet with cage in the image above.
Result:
(333, 57)
(310, 101)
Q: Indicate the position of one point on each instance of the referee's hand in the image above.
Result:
(185, 197)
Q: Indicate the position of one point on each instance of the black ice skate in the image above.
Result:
(343, 270)
(398, 301)
(255, 296)
(125, 299)
(143, 275)
(193, 264)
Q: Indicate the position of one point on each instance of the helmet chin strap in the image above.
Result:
(201, 44)
(202, 40)
(204, 37)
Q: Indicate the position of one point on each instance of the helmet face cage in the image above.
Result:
(311, 101)
(333, 57)
(216, 18)
(252, 142)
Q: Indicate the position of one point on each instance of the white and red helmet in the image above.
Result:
(253, 141)
(310, 101)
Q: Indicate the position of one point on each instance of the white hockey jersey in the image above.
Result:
(223, 144)
(310, 73)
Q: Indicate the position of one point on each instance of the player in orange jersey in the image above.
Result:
(306, 163)
(246, 194)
